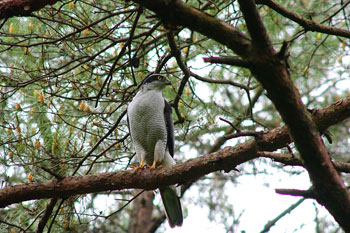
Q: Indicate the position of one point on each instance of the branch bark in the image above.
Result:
(225, 159)
(233, 61)
(308, 24)
(10, 8)
(141, 213)
(178, 13)
(292, 160)
(272, 72)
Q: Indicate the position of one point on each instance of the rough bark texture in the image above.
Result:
(308, 24)
(271, 70)
(150, 179)
(141, 213)
(10, 8)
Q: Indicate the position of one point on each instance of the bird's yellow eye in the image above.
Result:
(159, 77)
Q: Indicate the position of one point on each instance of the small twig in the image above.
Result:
(243, 134)
(283, 51)
(111, 130)
(121, 53)
(232, 125)
(229, 82)
(57, 176)
(104, 151)
(297, 192)
(55, 215)
(233, 61)
(121, 208)
(271, 223)
(177, 54)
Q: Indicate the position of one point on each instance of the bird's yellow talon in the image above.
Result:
(135, 167)
(154, 164)
(142, 165)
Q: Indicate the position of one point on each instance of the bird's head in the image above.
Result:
(155, 82)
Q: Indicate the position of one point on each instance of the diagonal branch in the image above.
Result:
(260, 38)
(308, 24)
(272, 222)
(225, 159)
(178, 13)
(273, 74)
(47, 215)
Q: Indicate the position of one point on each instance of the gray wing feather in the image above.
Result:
(170, 127)
(127, 120)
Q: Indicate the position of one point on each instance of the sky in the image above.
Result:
(260, 204)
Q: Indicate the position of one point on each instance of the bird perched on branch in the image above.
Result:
(152, 131)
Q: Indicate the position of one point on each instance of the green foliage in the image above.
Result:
(54, 64)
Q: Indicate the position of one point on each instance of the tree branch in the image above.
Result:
(309, 25)
(149, 179)
(46, 217)
(297, 192)
(178, 13)
(292, 160)
(233, 61)
(260, 39)
(225, 82)
(225, 159)
(271, 223)
(273, 73)
(10, 8)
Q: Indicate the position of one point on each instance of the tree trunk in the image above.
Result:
(141, 213)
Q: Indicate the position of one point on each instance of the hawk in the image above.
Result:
(152, 131)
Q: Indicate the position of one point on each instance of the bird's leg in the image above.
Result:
(159, 151)
(142, 162)
(154, 164)
(142, 165)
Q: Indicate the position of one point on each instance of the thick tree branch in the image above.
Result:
(260, 38)
(178, 13)
(225, 159)
(149, 179)
(273, 74)
(10, 8)
(47, 214)
(309, 25)
(292, 160)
